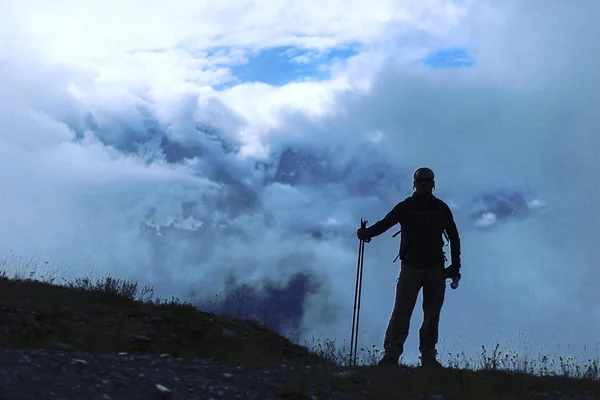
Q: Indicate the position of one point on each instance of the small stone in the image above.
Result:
(162, 388)
(62, 346)
(163, 392)
(140, 338)
(105, 397)
(343, 374)
(229, 333)
(227, 375)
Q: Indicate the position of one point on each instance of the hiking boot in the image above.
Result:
(430, 363)
(388, 360)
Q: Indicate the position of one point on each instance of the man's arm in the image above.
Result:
(452, 231)
(392, 218)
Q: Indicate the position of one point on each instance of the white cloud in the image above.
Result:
(164, 44)
(162, 50)
(487, 219)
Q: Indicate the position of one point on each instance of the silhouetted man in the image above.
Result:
(423, 218)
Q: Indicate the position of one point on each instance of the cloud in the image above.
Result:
(196, 188)
(171, 47)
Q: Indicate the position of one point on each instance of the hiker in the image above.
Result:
(423, 218)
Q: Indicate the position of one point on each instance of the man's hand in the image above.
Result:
(361, 234)
(453, 271)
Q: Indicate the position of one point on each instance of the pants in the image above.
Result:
(408, 285)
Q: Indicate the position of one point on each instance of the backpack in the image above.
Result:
(446, 243)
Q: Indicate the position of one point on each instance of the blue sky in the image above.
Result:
(452, 57)
(281, 65)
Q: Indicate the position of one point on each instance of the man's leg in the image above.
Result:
(434, 289)
(407, 290)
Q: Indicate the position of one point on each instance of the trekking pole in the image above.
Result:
(357, 295)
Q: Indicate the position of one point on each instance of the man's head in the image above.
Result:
(423, 181)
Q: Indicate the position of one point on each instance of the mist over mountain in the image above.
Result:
(248, 197)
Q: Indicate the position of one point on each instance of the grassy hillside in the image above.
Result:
(113, 315)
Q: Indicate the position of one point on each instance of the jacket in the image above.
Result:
(423, 220)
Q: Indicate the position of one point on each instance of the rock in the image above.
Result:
(229, 333)
(343, 374)
(139, 343)
(140, 338)
(61, 346)
(163, 392)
